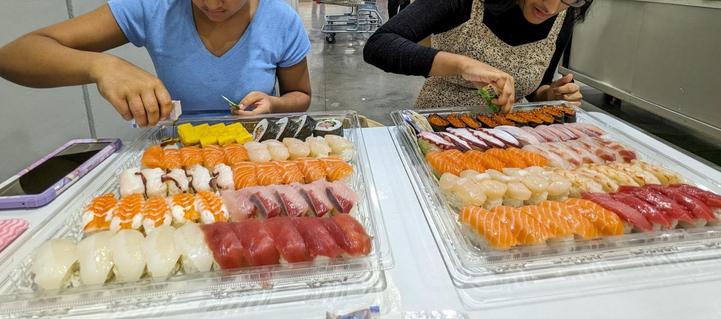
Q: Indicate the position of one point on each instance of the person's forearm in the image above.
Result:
(295, 101)
(39, 61)
(448, 64)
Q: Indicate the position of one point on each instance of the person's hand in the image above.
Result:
(133, 92)
(561, 89)
(255, 103)
(481, 74)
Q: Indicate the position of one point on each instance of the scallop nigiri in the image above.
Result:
(278, 151)
(318, 146)
(340, 146)
(95, 258)
(296, 148)
(195, 255)
(54, 263)
(127, 253)
(258, 152)
(160, 251)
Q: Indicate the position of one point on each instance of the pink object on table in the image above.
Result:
(11, 229)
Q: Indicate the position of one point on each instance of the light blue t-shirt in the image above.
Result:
(274, 38)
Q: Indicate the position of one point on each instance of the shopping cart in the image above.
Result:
(363, 17)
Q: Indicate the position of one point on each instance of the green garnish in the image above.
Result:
(488, 93)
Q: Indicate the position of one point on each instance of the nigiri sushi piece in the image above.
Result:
(278, 151)
(653, 215)
(342, 196)
(516, 194)
(235, 154)
(508, 159)
(466, 192)
(552, 221)
(176, 181)
(200, 178)
(131, 182)
(567, 217)
(296, 148)
(522, 136)
(161, 253)
(712, 200)
(182, 208)
(97, 213)
(487, 229)
(607, 223)
(126, 248)
(191, 156)
(54, 263)
(450, 161)
(321, 245)
(258, 153)
(153, 178)
(318, 146)
(699, 210)
(525, 228)
(195, 256)
(258, 245)
(225, 245)
(288, 241)
(317, 195)
(336, 169)
(155, 213)
(627, 213)
(127, 214)
(349, 234)
(239, 204)
(212, 156)
(340, 146)
(672, 210)
(537, 184)
(292, 200)
(290, 172)
(312, 169)
(210, 207)
(494, 191)
(559, 187)
(268, 174)
(171, 159)
(244, 175)
(222, 177)
(95, 258)
(152, 157)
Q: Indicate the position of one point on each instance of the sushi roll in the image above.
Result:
(258, 152)
(182, 208)
(177, 181)
(156, 213)
(161, 253)
(127, 214)
(195, 256)
(265, 130)
(318, 147)
(131, 182)
(438, 123)
(305, 127)
(328, 126)
(278, 150)
(95, 258)
(286, 128)
(340, 146)
(200, 178)
(154, 185)
(127, 253)
(222, 177)
(54, 263)
(296, 148)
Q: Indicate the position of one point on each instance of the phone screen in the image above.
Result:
(54, 169)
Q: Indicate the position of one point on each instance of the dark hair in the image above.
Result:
(498, 6)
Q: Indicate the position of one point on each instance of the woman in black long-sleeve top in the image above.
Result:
(515, 45)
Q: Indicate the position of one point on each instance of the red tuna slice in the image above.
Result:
(342, 196)
(670, 207)
(547, 134)
(491, 140)
(436, 140)
(317, 239)
(629, 214)
(239, 204)
(521, 135)
(348, 234)
(565, 130)
(505, 137)
(462, 145)
(709, 198)
(225, 245)
(315, 193)
(266, 201)
(292, 200)
(697, 208)
(258, 245)
(533, 132)
(467, 136)
(287, 239)
(652, 214)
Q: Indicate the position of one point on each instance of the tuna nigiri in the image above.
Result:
(627, 213)
(288, 241)
(349, 234)
(257, 242)
(318, 240)
(225, 245)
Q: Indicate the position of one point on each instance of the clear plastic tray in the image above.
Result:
(270, 284)
(495, 271)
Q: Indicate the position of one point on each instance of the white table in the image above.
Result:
(419, 280)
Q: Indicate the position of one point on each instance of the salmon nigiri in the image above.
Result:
(235, 154)
(472, 162)
(212, 155)
(336, 169)
(580, 226)
(524, 227)
(550, 220)
(531, 158)
(268, 174)
(490, 226)
(191, 156)
(96, 216)
(509, 159)
(605, 221)
(290, 172)
(244, 175)
(450, 161)
(171, 159)
(311, 168)
(152, 157)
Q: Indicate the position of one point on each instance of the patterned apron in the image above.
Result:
(526, 63)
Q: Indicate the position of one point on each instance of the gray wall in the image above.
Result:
(33, 122)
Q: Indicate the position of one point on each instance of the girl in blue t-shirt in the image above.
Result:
(202, 50)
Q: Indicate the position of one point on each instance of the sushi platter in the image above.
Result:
(203, 208)
(497, 209)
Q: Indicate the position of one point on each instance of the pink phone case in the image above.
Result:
(10, 229)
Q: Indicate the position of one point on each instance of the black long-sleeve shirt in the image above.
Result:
(394, 47)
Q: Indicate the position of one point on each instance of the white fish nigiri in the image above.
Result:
(54, 262)
(257, 152)
(128, 257)
(340, 146)
(200, 178)
(160, 251)
(176, 181)
(131, 182)
(278, 151)
(194, 252)
(154, 185)
(95, 258)
(223, 176)
(318, 146)
(296, 147)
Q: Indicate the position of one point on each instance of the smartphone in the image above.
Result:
(47, 178)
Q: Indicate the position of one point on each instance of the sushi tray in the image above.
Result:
(261, 209)
(549, 192)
